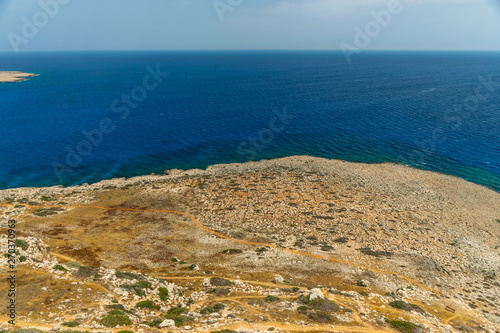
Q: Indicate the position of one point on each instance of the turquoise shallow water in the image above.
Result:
(433, 111)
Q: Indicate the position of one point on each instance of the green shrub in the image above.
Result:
(271, 299)
(137, 287)
(22, 259)
(174, 260)
(320, 316)
(113, 320)
(220, 282)
(303, 309)
(129, 276)
(71, 324)
(22, 244)
(341, 240)
(47, 211)
(176, 314)
(401, 305)
(219, 306)
(207, 310)
(177, 311)
(115, 307)
(219, 291)
(404, 326)
(320, 304)
(211, 309)
(193, 266)
(261, 250)
(143, 284)
(60, 268)
(163, 293)
(147, 305)
(153, 323)
(232, 251)
(295, 289)
(116, 312)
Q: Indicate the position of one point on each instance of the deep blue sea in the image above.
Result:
(433, 111)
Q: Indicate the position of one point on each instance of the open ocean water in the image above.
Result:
(74, 122)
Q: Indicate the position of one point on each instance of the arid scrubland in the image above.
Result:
(296, 244)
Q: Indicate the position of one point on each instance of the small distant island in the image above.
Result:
(14, 76)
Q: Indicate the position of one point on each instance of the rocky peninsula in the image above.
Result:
(297, 244)
(7, 76)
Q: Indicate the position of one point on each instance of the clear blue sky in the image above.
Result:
(251, 24)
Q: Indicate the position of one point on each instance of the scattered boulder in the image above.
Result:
(167, 323)
(278, 279)
(316, 293)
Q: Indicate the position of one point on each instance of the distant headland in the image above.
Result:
(14, 76)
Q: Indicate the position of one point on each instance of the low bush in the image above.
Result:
(115, 307)
(60, 268)
(319, 304)
(86, 271)
(153, 323)
(163, 293)
(22, 244)
(261, 250)
(113, 320)
(211, 309)
(71, 324)
(401, 305)
(47, 211)
(404, 326)
(232, 251)
(147, 305)
(320, 316)
(220, 282)
(177, 315)
(129, 276)
(219, 291)
(271, 299)
(303, 309)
